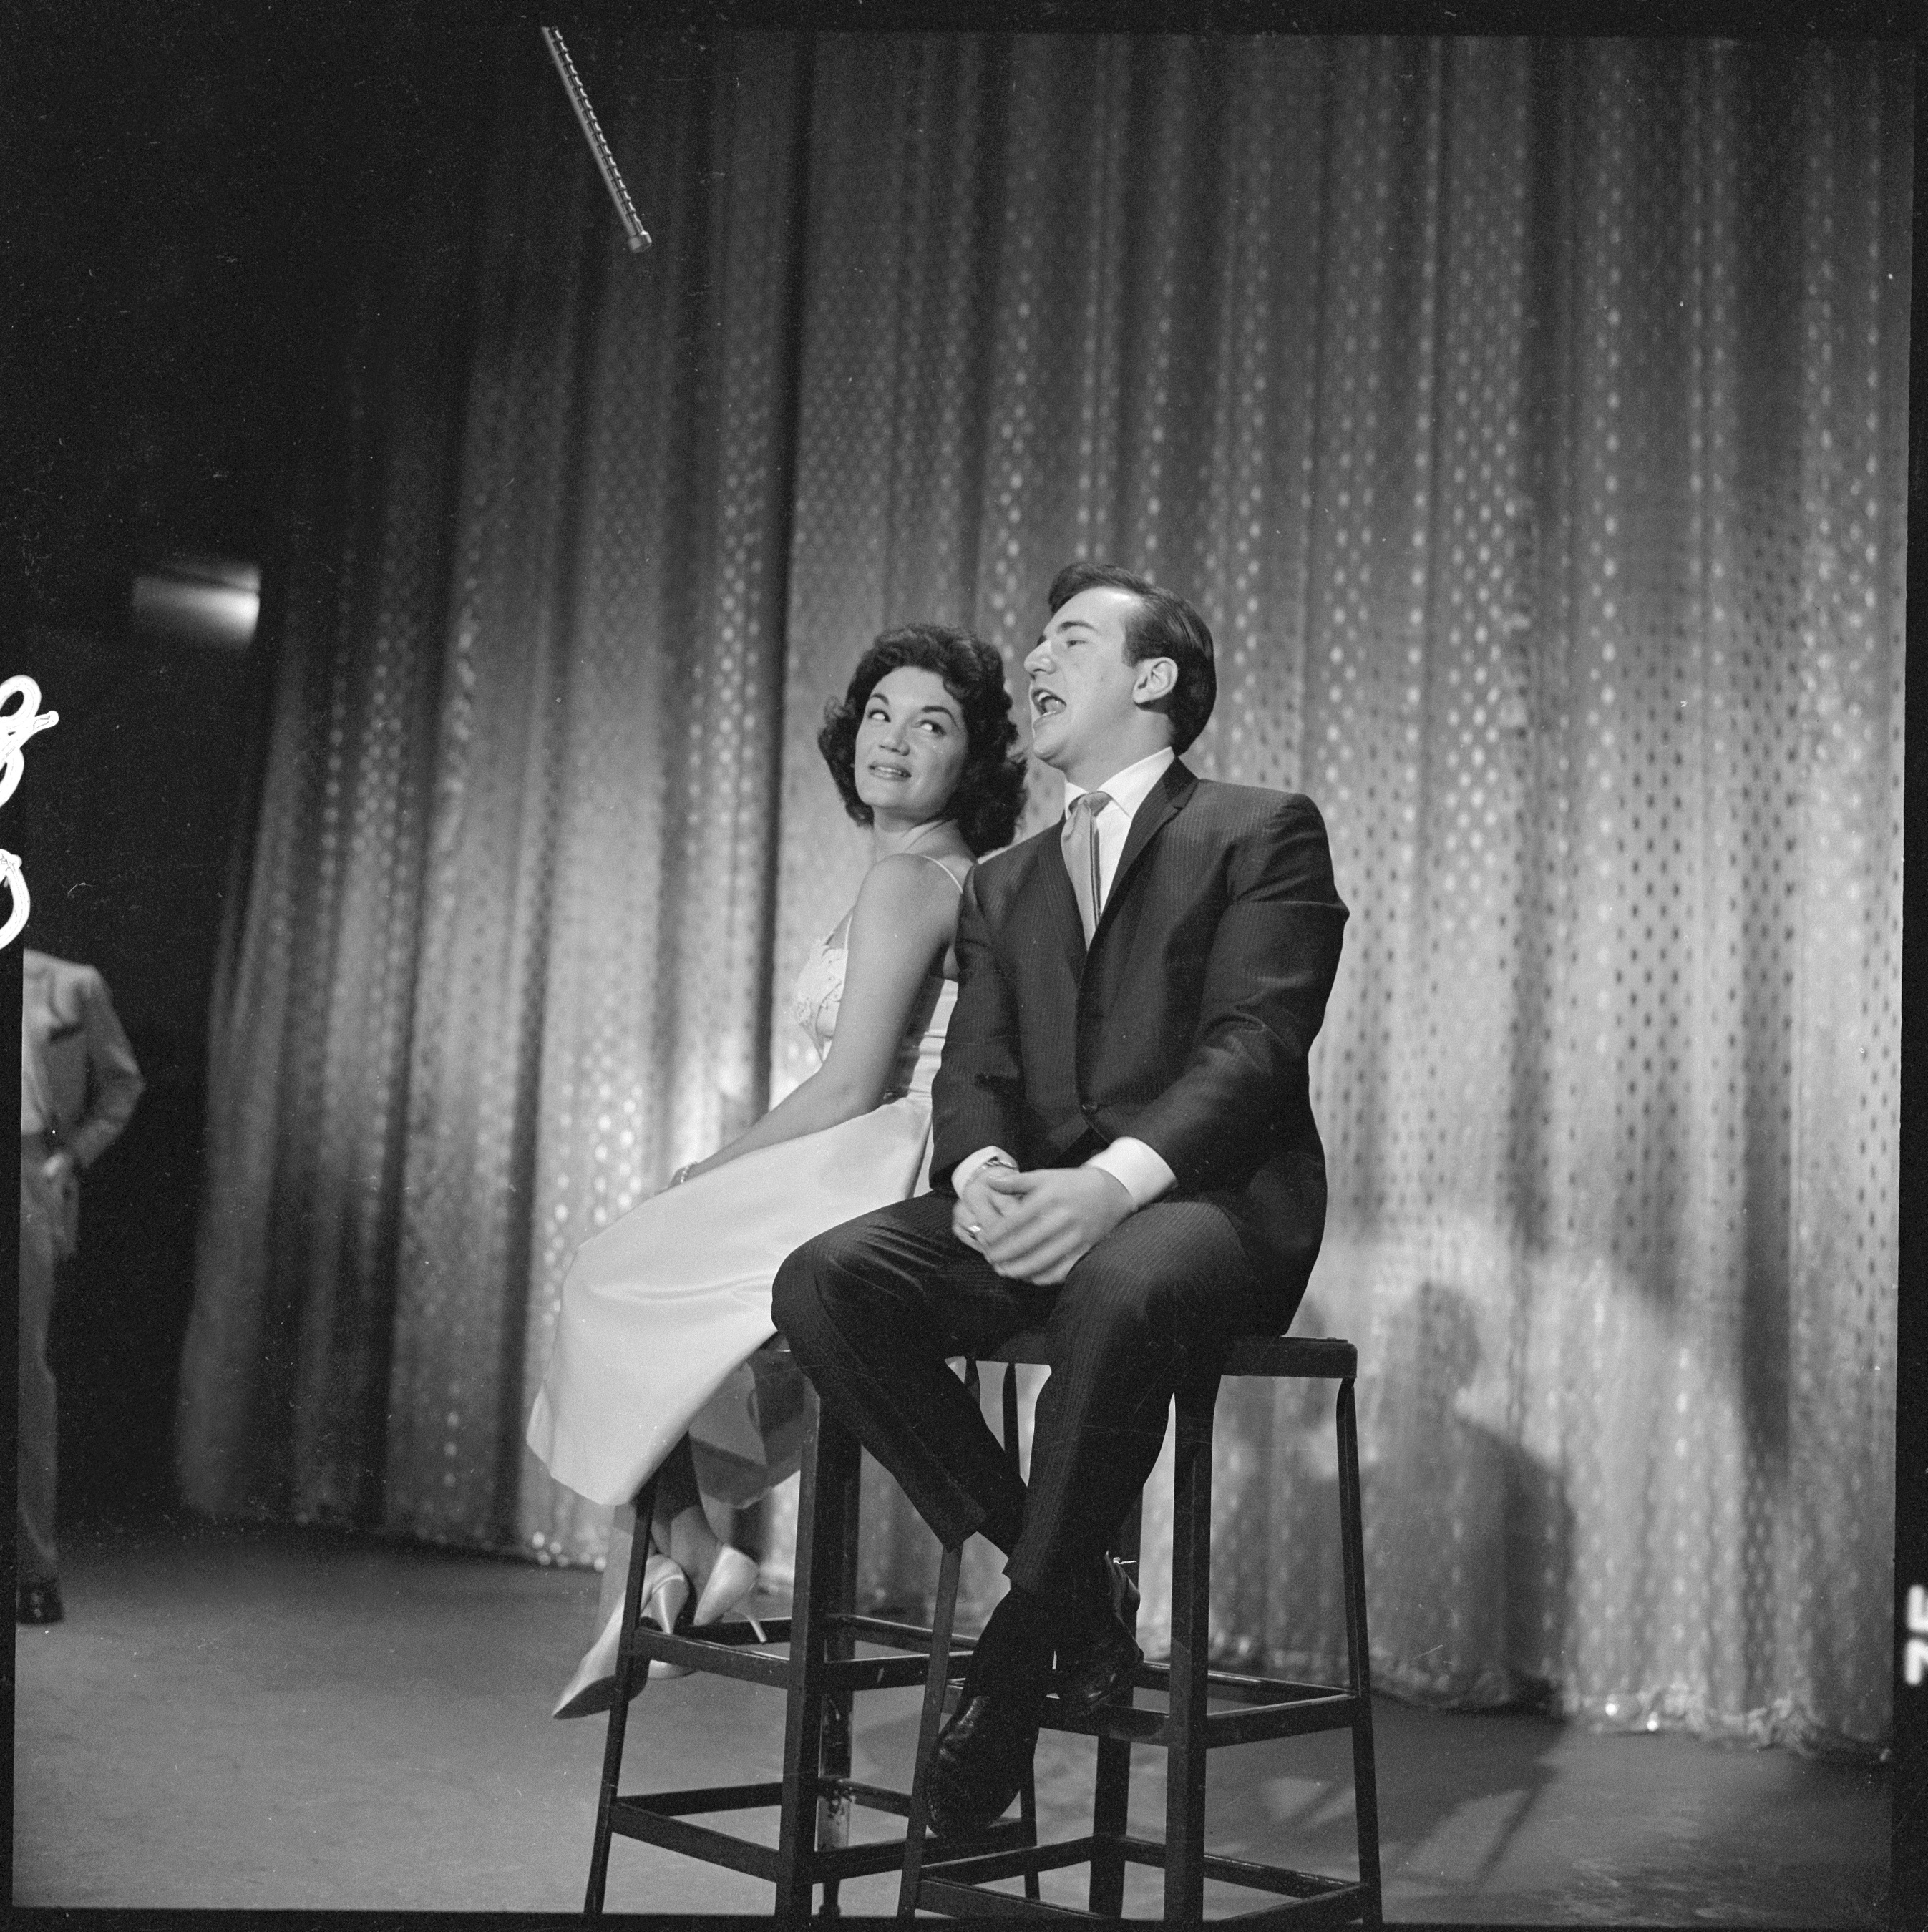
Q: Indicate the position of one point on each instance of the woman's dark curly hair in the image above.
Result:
(990, 789)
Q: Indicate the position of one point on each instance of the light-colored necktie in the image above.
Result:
(1080, 838)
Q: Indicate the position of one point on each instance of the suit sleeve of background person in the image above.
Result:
(1188, 1023)
(114, 1082)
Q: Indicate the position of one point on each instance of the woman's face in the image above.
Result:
(911, 747)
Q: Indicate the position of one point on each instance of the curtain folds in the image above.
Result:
(1529, 422)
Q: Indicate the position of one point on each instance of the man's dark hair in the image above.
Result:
(990, 789)
(1164, 626)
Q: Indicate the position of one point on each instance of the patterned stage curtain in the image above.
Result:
(505, 955)
(1529, 422)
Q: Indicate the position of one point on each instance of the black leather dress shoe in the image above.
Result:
(981, 1756)
(1098, 1659)
(38, 1604)
(1089, 1673)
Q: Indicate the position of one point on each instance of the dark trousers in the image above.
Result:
(871, 1309)
(46, 1239)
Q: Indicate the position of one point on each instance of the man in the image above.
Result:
(1124, 1157)
(78, 1087)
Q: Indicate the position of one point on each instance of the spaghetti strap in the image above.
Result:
(942, 868)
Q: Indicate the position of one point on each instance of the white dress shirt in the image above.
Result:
(1140, 1170)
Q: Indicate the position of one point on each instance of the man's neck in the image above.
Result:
(1105, 771)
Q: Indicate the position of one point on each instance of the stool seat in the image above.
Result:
(1309, 1357)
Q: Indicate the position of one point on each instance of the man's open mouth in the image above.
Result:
(1043, 703)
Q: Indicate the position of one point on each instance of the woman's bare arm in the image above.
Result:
(904, 918)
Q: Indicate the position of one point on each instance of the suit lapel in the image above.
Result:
(1174, 787)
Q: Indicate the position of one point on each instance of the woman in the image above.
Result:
(663, 1310)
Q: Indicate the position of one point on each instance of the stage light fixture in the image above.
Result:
(199, 600)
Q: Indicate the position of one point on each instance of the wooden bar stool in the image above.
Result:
(811, 1656)
(954, 1880)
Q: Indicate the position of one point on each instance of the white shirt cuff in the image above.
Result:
(1139, 1169)
(970, 1164)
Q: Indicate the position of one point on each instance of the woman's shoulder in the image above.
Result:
(908, 877)
(955, 868)
(906, 889)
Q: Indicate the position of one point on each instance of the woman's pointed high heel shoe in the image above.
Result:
(592, 1688)
(731, 1584)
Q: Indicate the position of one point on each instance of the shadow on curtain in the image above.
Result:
(1529, 422)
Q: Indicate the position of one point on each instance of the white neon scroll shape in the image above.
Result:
(17, 726)
(15, 880)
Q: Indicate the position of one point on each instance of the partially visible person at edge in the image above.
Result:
(1124, 1158)
(657, 1363)
(79, 1086)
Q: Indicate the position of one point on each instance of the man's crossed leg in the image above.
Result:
(871, 1310)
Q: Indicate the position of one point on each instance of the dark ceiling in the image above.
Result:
(190, 188)
(176, 174)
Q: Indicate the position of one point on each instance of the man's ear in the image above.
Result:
(1157, 680)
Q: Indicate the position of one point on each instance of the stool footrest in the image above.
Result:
(726, 1657)
(872, 1797)
(744, 1797)
(1282, 1878)
(659, 1818)
(1297, 1718)
(955, 1884)
(1292, 1717)
(968, 1901)
(897, 1636)
(656, 1819)
(662, 1818)
(742, 1658)
(872, 1673)
(704, 1797)
(943, 1865)
(1239, 1687)
(737, 1633)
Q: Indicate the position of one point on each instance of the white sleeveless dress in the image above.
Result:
(664, 1311)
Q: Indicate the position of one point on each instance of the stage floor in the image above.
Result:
(257, 1719)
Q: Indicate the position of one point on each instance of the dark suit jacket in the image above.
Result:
(1187, 1025)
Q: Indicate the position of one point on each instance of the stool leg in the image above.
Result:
(829, 1455)
(833, 1807)
(1027, 1794)
(627, 1664)
(1111, 1796)
(937, 1674)
(1366, 1794)
(1191, 1636)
